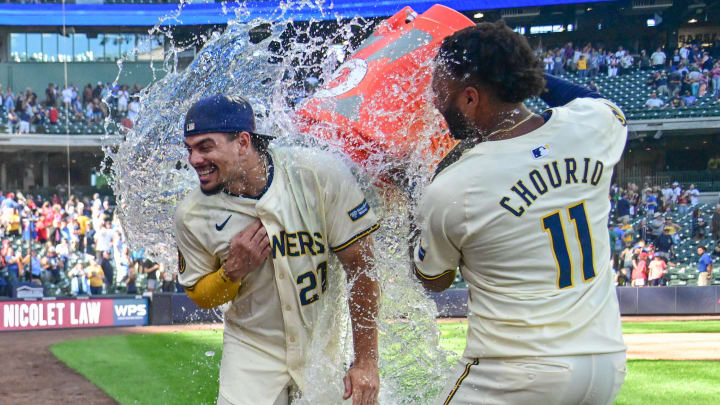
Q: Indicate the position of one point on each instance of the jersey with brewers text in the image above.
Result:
(525, 219)
(312, 206)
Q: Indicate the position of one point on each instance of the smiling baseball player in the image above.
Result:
(523, 213)
(259, 232)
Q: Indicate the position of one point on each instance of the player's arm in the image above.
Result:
(434, 244)
(350, 220)
(362, 381)
(559, 92)
(248, 249)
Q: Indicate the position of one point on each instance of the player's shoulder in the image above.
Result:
(193, 201)
(303, 160)
(593, 110)
(454, 180)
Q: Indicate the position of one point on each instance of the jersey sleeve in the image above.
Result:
(194, 261)
(349, 216)
(438, 250)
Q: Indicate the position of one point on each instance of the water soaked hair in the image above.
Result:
(259, 143)
(495, 57)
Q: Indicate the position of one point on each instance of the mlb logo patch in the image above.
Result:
(190, 126)
(541, 151)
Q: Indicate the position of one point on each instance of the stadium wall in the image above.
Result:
(169, 308)
(36, 76)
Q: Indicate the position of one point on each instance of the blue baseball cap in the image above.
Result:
(220, 113)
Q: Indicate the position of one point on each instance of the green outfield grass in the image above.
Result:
(183, 367)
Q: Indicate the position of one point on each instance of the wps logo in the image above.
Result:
(130, 310)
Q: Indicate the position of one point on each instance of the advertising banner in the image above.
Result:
(73, 313)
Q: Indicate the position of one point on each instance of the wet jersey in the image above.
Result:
(525, 220)
(311, 206)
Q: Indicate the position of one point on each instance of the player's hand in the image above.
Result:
(248, 250)
(362, 383)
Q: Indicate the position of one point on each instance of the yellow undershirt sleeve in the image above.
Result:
(213, 289)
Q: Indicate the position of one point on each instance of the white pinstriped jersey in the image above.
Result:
(312, 206)
(525, 219)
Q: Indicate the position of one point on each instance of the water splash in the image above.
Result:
(150, 176)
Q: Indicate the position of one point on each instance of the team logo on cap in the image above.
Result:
(190, 126)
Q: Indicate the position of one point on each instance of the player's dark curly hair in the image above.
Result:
(493, 55)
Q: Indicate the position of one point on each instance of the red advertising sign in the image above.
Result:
(48, 314)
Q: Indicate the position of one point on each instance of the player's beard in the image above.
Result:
(459, 125)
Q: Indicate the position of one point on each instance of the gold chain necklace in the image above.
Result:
(524, 120)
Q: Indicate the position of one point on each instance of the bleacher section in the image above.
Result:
(630, 92)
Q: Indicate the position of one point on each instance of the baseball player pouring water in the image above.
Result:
(523, 213)
(258, 232)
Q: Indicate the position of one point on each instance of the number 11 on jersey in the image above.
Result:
(553, 225)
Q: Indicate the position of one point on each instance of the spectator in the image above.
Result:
(103, 239)
(639, 273)
(676, 101)
(612, 66)
(657, 225)
(122, 100)
(715, 74)
(594, 87)
(151, 268)
(675, 60)
(689, 99)
(96, 278)
(134, 108)
(715, 224)
(664, 244)
(654, 101)
(698, 225)
(644, 61)
(34, 267)
(650, 201)
(130, 281)
(13, 223)
(87, 94)
(673, 229)
(108, 271)
(657, 269)
(623, 208)
(13, 265)
(694, 195)
(668, 197)
(168, 284)
(53, 265)
(582, 66)
(658, 59)
(67, 94)
(50, 96)
(549, 62)
(23, 118)
(704, 266)
(78, 279)
(643, 230)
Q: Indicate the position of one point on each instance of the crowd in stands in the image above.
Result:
(26, 113)
(677, 80)
(73, 247)
(663, 236)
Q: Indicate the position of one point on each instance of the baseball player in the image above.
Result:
(258, 232)
(523, 212)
